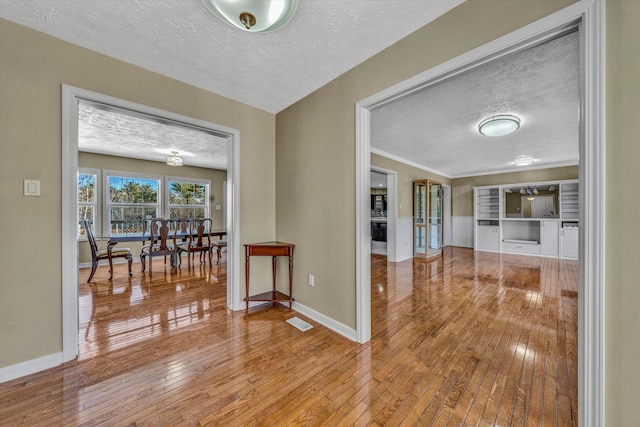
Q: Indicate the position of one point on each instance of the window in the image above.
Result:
(130, 198)
(87, 199)
(188, 198)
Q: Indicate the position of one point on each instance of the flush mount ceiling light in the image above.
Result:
(253, 15)
(524, 161)
(174, 159)
(499, 125)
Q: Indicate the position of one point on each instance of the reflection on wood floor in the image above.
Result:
(469, 339)
(119, 314)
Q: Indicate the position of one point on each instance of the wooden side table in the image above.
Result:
(274, 250)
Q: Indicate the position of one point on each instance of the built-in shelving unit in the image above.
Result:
(536, 218)
(488, 203)
(569, 200)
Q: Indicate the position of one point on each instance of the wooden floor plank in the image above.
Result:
(471, 338)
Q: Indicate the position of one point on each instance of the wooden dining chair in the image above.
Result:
(162, 237)
(98, 255)
(218, 246)
(198, 240)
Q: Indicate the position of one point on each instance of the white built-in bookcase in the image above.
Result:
(533, 218)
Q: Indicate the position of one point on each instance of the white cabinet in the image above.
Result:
(521, 247)
(569, 240)
(549, 238)
(488, 237)
(487, 225)
(536, 218)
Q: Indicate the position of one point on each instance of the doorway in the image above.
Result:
(70, 99)
(588, 18)
(128, 175)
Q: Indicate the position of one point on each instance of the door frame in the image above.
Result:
(589, 17)
(70, 276)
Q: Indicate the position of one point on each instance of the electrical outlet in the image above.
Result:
(311, 280)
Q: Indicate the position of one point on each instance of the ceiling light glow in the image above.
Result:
(524, 161)
(499, 125)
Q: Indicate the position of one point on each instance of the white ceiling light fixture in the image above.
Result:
(174, 159)
(253, 15)
(501, 125)
(524, 161)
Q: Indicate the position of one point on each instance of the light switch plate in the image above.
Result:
(32, 187)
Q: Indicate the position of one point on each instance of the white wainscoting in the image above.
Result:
(462, 231)
(404, 239)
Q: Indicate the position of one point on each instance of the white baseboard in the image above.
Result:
(32, 366)
(328, 322)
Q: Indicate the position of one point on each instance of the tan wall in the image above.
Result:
(406, 175)
(315, 152)
(33, 68)
(462, 188)
(622, 269)
(123, 164)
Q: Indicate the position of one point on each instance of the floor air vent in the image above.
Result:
(299, 323)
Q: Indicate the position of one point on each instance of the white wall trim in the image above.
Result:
(519, 169)
(407, 162)
(18, 370)
(328, 322)
(462, 231)
(468, 175)
(404, 247)
(70, 96)
(363, 224)
(591, 294)
(591, 16)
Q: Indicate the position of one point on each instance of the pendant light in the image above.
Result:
(253, 15)
(174, 159)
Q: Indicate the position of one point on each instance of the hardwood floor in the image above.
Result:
(473, 339)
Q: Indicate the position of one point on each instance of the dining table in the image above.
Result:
(143, 237)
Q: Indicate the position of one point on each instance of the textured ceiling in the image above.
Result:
(183, 40)
(438, 127)
(119, 133)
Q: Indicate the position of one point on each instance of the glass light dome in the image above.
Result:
(499, 125)
(253, 15)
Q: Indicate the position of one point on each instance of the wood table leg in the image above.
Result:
(273, 272)
(246, 273)
(291, 280)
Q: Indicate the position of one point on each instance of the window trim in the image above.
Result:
(206, 182)
(106, 222)
(96, 203)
